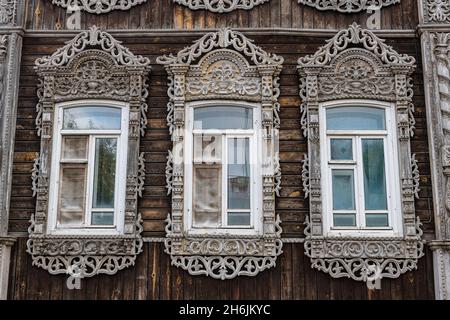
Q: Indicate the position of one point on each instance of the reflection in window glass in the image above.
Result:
(238, 173)
(207, 196)
(91, 118)
(355, 118)
(223, 118)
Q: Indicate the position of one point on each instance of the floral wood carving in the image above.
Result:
(7, 11)
(356, 64)
(222, 65)
(98, 6)
(221, 6)
(91, 66)
(436, 11)
(347, 6)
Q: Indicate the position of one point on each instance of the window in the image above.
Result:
(90, 172)
(91, 145)
(223, 167)
(359, 173)
(359, 166)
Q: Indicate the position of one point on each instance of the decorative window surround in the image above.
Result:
(347, 6)
(65, 76)
(356, 64)
(436, 68)
(98, 6)
(222, 256)
(220, 6)
(434, 11)
(8, 10)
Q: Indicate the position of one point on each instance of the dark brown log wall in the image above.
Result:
(153, 277)
(164, 14)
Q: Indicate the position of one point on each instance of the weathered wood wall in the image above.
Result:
(153, 277)
(164, 14)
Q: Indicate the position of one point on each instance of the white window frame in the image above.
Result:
(121, 169)
(254, 134)
(391, 170)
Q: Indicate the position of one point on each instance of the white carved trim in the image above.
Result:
(98, 6)
(91, 66)
(223, 65)
(8, 11)
(356, 64)
(5, 260)
(347, 6)
(220, 6)
(435, 11)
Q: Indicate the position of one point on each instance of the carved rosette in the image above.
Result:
(97, 6)
(348, 6)
(356, 64)
(223, 65)
(93, 65)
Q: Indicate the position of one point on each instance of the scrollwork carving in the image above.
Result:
(7, 11)
(223, 65)
(356, 64)
(436, 11)
(92, 65)
(347, 6)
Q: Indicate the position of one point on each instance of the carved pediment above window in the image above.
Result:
(93, 74)
(348, 6)
(98, 6)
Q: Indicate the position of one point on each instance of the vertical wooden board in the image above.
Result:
(155, 271)
(104, 287)
(248, 288)
(91, 285)
(188, 23)
(285, 261)
(323, 286)
(298, 275)
(167, 8)
(188, 286)
(21, 269)
(129, 283)
(274, 283)
(408, 282)
(308, 21)
(141, 273)
(285, 12)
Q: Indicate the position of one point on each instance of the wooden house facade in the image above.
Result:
(143, 68)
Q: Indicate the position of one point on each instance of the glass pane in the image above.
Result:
(221, 117)
(102, 218)
(72, 192)
(344, 220)
(104, 172)
(207, 197)
(374, 175)
(74, 148)
(355, 118)
(238, 218)
(239, 173)
(207, 148)
(341, 149)
(92, 117)
(343, 190)
(377, 220)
